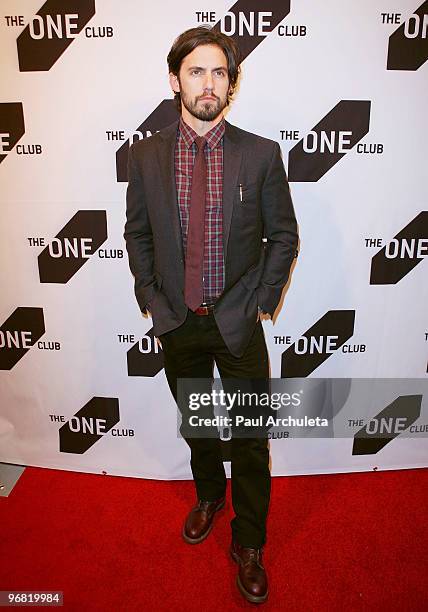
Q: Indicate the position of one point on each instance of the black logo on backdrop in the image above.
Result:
(319, 150)
(408, 248)
(12, 127)
(388, 424)
(408, 45)
(19, 333)
(145, 358)
(247, 42)
(166, 113)
(51, 31)
(88, 425)
(317, 344)
(73, 246)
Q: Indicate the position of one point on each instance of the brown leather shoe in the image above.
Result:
(199, 521)
(251, 578)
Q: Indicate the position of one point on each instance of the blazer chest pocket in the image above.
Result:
(247, 191)
(247, 200)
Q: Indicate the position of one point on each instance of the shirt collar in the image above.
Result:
(213, 137)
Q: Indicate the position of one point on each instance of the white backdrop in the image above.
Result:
(70, 328)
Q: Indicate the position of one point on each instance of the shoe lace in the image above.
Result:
(204, 505)
(253, 555)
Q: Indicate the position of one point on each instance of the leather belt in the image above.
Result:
(204, 309)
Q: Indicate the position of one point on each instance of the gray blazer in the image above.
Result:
(255, 270)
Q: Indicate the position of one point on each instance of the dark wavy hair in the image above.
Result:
(203, 35)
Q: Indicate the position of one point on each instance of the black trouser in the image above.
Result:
(190, 352)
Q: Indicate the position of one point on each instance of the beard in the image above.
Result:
(207, 110)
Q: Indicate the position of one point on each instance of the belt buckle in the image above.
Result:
(202, 310)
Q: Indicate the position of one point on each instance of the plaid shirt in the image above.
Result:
(185, 151)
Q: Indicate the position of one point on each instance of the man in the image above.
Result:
(202, 195)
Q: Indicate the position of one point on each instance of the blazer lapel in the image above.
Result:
(166, 161)
(232, 157)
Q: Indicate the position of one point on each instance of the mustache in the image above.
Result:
(208, 96)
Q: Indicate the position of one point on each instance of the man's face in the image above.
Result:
(203, 82)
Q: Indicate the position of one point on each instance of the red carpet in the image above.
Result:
(336, 542)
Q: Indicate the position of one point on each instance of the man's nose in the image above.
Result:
(208, 81)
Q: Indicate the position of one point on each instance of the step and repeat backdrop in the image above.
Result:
(342, 86)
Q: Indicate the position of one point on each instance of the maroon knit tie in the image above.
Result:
(193, 281)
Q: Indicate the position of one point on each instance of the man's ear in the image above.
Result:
(173, 81)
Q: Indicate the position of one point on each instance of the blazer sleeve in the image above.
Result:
(138, 236)
(280, 229)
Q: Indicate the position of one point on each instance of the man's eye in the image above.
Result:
(195, 71)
